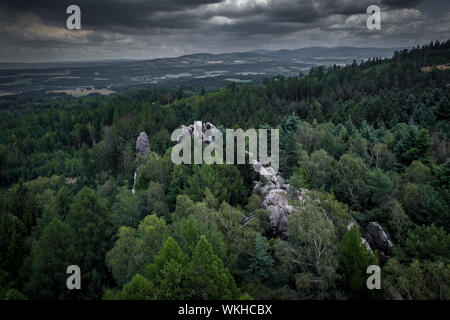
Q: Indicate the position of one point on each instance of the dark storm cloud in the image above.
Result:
(402, 3)
(144, 14)
(299, 11)
(107, 13)
(148, 28)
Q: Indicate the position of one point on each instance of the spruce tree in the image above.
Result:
(354, 258)
(50, 257)
(261, 262)
(167, 272)
(139, 288)
(206, 277)
(90, 219)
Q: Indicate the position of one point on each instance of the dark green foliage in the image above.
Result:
(13, 246)
(154, 168)
(50, 256)
(426, 205)
(167, 272)
(289, 155)
(11, 294)
(354, 258)
(135, 249)
(139, 288)
(189, 230)
(206, 276)
(261, 262)
(90, 220)
(369, 141)
(413, 144)
(427, 243)
(417, 280)
(224, 182)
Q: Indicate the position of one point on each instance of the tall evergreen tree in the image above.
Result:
(50, 256)
(90, 219)
(167, 272)
(261, 262)
(206, 276)
(354, 258)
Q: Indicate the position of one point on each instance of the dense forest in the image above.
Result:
(369, 141)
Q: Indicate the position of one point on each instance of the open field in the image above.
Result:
(84, 92)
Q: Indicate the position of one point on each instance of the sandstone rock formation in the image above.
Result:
(199, 130)
(142, 145)
(377, 238)
(273, 188)
(142, 148)
(274, 192)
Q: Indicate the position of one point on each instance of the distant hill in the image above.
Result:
(52, 65)
(308, 52)
(356, 52)
(40, 82)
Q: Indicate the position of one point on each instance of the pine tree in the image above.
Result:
(206, 277)
(354, 258)
(139, 288)
(13, 245)
(135, 249)
(261, 262)
(316, 112)
(50, 257)
(90, 219)
(118, 258)
(167, 272)
(289, 153)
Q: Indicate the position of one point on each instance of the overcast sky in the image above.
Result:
(33, 30)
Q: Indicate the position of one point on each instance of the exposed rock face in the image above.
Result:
(377, 238)
(275, 198)
(143, 148)
(277, 203)
(273, 190)
(142, 145)
(198, 129)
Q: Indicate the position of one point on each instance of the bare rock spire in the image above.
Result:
(142, 145)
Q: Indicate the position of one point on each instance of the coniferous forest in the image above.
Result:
(366, 144)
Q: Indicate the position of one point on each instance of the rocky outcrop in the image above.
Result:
(142, 148)
(274, 192)
(377, 238)
(272, 187)
(199, 130)
(277, 203)
(142, 145)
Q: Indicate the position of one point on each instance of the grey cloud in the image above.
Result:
(403, 3)
(182, 14)
(143, 28)
(103, 13)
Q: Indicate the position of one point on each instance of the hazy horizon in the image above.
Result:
(199, 53)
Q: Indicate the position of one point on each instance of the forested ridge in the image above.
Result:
(369, 141)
